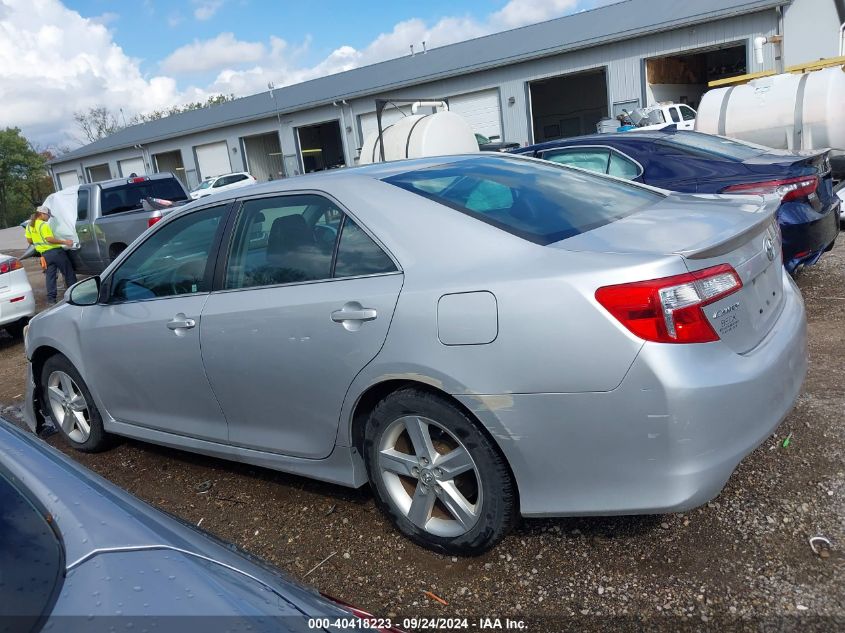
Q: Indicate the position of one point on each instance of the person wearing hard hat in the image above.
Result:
(53, 257)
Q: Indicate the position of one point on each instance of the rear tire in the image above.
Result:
(438, 478)
(67, 400)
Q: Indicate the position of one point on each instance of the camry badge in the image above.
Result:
(770, 249)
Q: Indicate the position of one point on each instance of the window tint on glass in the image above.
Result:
(673, 112)
(277, 241)
(82, 204)
(687, 113)
(358, 254)
(622, 167)
(548, 203)
(30, 561)
(592, 159)
(128, 197)
(172, 261)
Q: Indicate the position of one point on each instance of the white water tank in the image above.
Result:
(421, 135)
(788, 111)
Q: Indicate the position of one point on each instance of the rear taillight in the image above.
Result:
(669, 310)
(8, 265)
(153, 220)
(787, 188)
(135, 179)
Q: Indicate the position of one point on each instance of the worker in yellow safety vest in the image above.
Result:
(49, 247)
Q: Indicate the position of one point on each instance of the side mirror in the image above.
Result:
(84, 293)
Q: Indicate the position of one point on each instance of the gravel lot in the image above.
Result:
(741, 561)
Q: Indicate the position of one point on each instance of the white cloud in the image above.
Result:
(54, 62)
(205, 9)
(518, 13)
(219, 52)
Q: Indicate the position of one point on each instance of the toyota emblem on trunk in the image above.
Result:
(770, 249)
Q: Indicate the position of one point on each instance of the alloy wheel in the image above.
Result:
(68, 406)
(430, 476)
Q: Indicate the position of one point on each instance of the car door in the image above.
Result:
(143, 341)
(87, 256)
(687, 118)
(299, 313)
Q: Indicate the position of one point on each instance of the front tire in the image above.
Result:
(438, 478)
(67, 400)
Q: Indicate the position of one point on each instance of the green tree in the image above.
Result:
(23, 177)
(178, 109)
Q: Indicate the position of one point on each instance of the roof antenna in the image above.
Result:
(425, 50)
(412, 50)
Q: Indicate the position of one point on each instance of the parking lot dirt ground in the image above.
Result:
(742, 560)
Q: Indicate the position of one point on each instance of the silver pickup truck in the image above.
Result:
(110, 215)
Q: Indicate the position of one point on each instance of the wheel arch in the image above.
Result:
(377, 392)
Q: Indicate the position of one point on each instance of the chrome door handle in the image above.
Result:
(360, 314)
(181, 322)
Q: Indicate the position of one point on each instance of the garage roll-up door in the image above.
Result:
(67, 179)
(481, 110)
(213, 159)
(131, 166)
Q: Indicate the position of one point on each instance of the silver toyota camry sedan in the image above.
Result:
(477, 337)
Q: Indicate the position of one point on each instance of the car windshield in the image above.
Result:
(31, 558)
(128, 197)
(537, 201)
(710, 145)
(205, 184)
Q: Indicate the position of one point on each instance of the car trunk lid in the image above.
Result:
(707, 231)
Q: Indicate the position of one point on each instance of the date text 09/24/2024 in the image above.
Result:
(420, 624)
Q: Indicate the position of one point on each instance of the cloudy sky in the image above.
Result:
(60, 57)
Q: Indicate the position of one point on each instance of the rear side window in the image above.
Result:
(592, 159)
(673, 112)
(544, 203)
(31, 560)
(128, 197)
(82, 205)
(358, 254)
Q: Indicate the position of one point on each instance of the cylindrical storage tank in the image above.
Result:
(421, 135)
(788, 111)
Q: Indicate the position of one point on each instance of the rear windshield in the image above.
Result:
(712, 146)
(537, 201)
(128, 197)
(31, 560)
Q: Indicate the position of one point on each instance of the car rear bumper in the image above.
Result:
(807, 234)
(667, 439)
(17, 301)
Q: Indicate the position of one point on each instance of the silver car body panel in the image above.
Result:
(639, 420)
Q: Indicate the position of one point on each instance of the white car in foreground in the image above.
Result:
(225, 182)
(17, 301)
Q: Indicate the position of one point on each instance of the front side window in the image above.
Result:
(172, 261)
(548, 203)
(222, 182)
(592, 159)
(687, 113)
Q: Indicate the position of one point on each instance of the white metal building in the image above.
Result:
(535, 83)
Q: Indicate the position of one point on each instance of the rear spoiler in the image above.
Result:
(767, 210)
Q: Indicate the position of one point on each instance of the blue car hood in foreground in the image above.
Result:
(128, 562)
